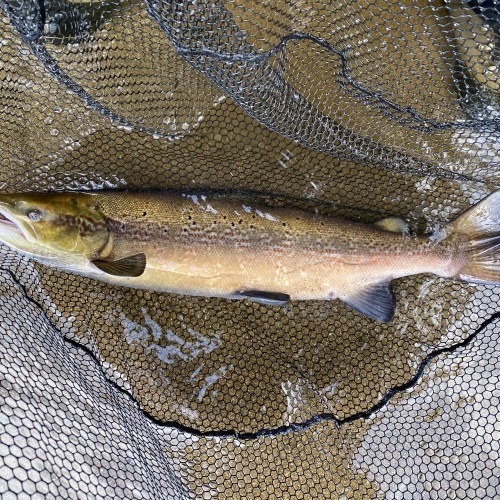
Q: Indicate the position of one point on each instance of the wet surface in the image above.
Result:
(175, 397)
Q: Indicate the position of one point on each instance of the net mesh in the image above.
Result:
(359, 110)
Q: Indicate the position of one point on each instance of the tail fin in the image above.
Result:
(480, 224)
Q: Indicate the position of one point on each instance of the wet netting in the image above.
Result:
(358, 109)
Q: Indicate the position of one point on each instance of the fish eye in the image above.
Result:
(35, 215)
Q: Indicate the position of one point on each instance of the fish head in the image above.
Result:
(53, 225)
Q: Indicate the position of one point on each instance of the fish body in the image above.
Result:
(192, 244)
(198, 246)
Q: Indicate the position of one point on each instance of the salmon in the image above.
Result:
(193, 244)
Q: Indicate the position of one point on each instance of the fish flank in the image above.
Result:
(195, 245)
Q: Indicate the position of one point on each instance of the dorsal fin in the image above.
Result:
(394, 225)
(376, 301)
(132, 266)
(266, 298)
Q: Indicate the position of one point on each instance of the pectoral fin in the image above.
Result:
(376, 301)
(266, 298)
(394, 225)
(132, 266)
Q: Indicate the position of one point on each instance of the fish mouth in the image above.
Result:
(9, 222)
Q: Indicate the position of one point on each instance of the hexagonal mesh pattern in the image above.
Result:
(359, 110)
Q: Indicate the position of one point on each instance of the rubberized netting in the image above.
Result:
(359, 110)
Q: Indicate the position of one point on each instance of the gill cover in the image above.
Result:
(53, 224)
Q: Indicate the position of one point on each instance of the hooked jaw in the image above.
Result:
(16, 232)
(11, 228)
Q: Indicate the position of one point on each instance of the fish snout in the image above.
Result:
(10, 218)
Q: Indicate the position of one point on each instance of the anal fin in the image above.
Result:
(132, 266)
(266, 298)
(376, 301)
